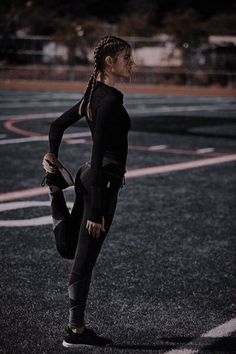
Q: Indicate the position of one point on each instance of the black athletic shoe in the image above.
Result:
(86, 339)
(61, 178)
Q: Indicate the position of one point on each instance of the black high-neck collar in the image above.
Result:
(110, 88)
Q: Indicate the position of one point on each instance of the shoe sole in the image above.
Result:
(81, 345)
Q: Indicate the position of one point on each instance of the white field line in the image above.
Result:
(76, 141)
(32, 116)
(142, 108)
(150, 111)
(71, 140)
(41, 138)
(130, 174)
(204, 150)
(180, 109)
(157, 147)
(42, 220)
(38, 104)
(210, 337)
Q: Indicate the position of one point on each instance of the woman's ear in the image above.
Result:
(109, 61)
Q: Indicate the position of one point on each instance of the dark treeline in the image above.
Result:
(132, 17)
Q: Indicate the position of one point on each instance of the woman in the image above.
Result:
(81, 233)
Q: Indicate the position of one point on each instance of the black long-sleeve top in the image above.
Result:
(109, 128)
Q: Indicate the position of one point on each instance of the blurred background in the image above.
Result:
(185, 42)
(165, 278)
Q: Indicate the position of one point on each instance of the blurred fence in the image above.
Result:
(140, 75)
(47, 58)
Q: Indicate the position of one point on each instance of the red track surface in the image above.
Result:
(145, 89)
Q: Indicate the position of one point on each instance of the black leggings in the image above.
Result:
(73, 240)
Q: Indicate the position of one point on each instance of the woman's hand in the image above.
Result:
(49, 157)
(94, 228)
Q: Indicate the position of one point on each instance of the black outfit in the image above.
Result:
(96, 186)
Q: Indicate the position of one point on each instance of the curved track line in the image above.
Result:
(9, 125)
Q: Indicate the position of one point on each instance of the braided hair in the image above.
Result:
(108, 46)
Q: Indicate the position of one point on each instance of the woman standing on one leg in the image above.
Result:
(97, 183)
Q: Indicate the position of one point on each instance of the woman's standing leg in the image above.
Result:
(87, 252)
(61, 222)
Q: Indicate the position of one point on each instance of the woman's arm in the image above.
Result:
(58, 127)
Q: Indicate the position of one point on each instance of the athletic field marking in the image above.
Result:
(31, 116)
(38, 104)
(211, 336)
(143, 109)
(9, 125)
(69, 139)
(181, 166)
(157, 147)
(77, 141)
(131, 174)
(43, 220)
(189, 152)
(42, 138)
(31, 192)
(205, 150)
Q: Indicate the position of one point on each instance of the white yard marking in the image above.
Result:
(155, 111)
(182, 351)
(32, 116)
(43, 220)
(76, 141)
(157, 147)
(218, 332)
(41, 138)
(36, 104)
(205, 150)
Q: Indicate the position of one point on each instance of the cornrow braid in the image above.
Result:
(109, 45)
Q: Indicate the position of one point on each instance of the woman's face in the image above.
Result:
(122, 66)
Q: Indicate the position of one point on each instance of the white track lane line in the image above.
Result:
(130, 174)
(221, 331)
